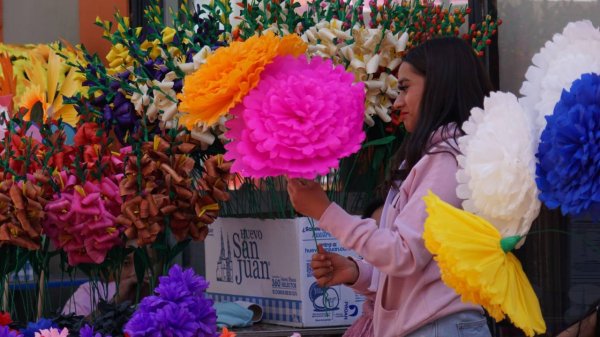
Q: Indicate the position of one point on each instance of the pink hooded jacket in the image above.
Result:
(410, 292)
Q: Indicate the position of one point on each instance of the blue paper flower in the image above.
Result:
(568, 172)
(32, 328)
(6, 332)
(88, 331)
(179, 308)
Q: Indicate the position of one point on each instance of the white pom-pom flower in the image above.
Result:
(560, 62)
(496, 178)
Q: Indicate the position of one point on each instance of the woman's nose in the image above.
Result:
(398, 102)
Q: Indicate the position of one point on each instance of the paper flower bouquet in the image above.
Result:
(263, 141)
(103, 156)
(553, 157)
(291, 116)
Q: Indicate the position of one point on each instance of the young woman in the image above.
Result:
(363, 325)
(440, 81)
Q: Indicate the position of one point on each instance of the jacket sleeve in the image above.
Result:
(365, 274)
(397, 250)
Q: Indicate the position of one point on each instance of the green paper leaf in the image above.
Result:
(380, 141)
(378, 158)
(508, 243)
(141, 261)
(178, 248)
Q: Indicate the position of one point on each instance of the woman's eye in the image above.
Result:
(402, 88)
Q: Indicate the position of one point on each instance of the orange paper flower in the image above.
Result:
(229, 74)
(226, 333)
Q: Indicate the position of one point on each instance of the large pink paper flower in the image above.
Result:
(299, 121)
(81, 219)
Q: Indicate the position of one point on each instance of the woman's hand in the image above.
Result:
(331, 269)
(307, 197)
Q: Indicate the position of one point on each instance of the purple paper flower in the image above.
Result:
(6, 332)
(179, 308)
(156, 69)
(88, 331)
(187, 280)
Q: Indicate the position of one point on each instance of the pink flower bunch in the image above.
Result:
(81, 219)
(300, 120)
(52, 332)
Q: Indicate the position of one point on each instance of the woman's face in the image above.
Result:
(408, 102)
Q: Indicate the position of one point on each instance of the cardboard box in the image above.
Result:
(268, 262)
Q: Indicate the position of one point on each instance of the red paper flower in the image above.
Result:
(5, 318)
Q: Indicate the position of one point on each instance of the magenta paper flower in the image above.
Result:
(299, 121)
(81, 219)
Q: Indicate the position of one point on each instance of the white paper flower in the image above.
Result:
(206, 134)
(497, 165)
(560, 62)
(140, 100)
(165, 99)
(364, 52)
(197, 60)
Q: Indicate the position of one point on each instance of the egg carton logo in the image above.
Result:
(323, 299)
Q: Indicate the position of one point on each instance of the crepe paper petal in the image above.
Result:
(497, 177)
(299, 121)
(48, 81)
(568, 171)
(82, 219)
(469, 252)
(229, 74)
(27, 151)
(89, 133)
(189, 209)
(561, 61)
(21, 213)
(52, 332)
(216, 177)
(226, 333)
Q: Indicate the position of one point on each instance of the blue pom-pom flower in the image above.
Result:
(32, 328)
(568, 169)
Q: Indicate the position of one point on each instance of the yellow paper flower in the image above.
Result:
(229, 74)
(48, 84)
(168, 34)
(476, 262)
(118, 59)
(33, 94)
(153, 46)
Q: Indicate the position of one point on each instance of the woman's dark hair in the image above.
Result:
(371, 208)
(455, 82)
